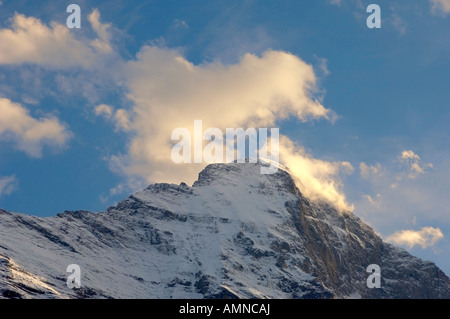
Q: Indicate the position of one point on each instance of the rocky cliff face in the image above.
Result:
(234, 234)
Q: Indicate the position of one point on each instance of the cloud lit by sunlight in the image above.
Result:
(27, 133)
(426, 237)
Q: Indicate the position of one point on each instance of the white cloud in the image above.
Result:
(121, 116)
(27, 133)
(122, 120)
(441, 6)
(391, 194)
(31, 41)
(322, 65)
(104, 110)
(368, 171)
(336, 2)
(384, 206)
(180, 24)
(347, 167)
(409, 155)
(29, 100)
(426, 237)
(103, 42)
(8, 184)
(374, 202)
(317, 179)
(170, 92)
(414, 163)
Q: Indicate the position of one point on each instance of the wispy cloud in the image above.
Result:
(122, 119)
(376, 202)
(129, 185)
(414, 163)
(177, 23)
(8, 184)
(102, 44)
(336, 2)
(317, 179)
(368, 171)
(440, 6)
(398, 23)
(402, 190)
(426, 237)
(104, 110)
(120, 116)
(27, 133)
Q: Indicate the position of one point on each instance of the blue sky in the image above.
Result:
(382, 146)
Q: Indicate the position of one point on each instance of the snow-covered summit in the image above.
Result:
(234, 234)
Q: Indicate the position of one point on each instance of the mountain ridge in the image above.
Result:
(234, 234)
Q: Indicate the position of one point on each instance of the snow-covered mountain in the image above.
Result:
(234, 234)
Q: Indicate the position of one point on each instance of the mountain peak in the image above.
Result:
(236, 233)
(243, 173)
